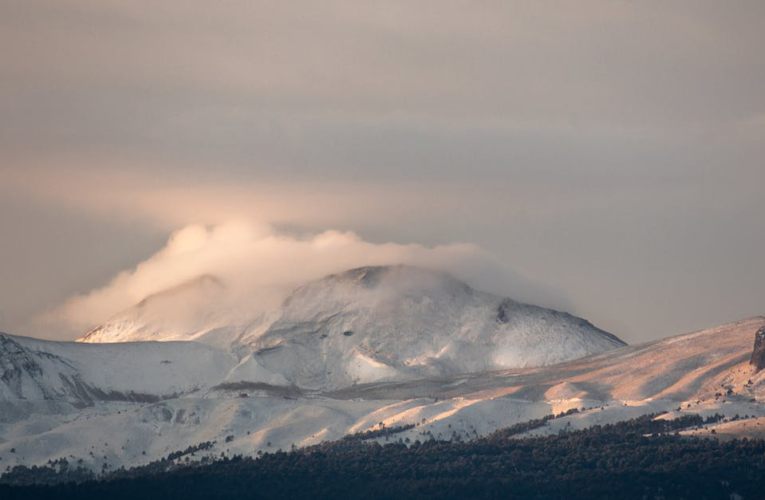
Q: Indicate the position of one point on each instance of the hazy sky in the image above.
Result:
(603, 157)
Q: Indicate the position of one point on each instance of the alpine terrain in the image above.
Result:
(369, 349)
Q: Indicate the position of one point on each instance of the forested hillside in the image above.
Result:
(640, 458)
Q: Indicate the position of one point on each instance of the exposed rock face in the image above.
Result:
(758, 354)
(15, 364)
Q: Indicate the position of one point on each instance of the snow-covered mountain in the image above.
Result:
(111, 405)
(401, 322)
(394, 345)
(364, 325)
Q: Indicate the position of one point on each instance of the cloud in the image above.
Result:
(259, 266)
(611, 149)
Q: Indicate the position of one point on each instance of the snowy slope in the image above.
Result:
(34, 370)
(693, 373)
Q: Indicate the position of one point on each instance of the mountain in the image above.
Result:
(363, 325)
(113, 405)
(368, 349)
(402, 322)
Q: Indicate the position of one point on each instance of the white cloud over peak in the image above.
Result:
(259, 266)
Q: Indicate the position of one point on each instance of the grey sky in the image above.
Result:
(613, 153)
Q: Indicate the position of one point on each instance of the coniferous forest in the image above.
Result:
(640, 458)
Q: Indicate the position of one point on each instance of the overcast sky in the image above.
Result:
(606, 157)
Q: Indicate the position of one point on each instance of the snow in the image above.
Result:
(190, 406)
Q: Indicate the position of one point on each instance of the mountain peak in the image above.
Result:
(181, 312)
(367, 324)
(400, 322)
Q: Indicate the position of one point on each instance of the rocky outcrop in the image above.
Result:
(758, 354)
(17, 368)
